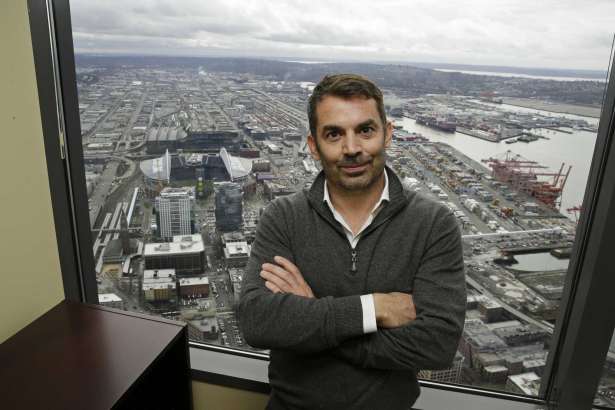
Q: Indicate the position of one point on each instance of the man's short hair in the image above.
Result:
(344, 86)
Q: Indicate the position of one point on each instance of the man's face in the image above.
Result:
(350, 142)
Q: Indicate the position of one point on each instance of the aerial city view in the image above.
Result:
(181, 156)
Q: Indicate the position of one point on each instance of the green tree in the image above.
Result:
(208, 189)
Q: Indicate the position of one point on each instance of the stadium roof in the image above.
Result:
(158, 169)
(235, 167)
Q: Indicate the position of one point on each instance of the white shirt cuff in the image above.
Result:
(369, 314)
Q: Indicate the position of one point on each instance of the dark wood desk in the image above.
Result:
(79, 356)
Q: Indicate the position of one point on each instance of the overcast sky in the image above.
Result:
(535, 33)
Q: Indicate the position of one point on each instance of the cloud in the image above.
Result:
(547, 33)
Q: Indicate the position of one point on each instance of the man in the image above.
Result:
(354, 284)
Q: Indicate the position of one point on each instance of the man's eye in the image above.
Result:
(332, 134)
(367, 130)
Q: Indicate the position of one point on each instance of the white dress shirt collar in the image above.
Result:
(353, 239)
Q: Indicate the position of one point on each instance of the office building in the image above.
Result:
(174, 207)
(158, 285)
(229, 208)
(236, 254)
(185, 254)
(197, 287)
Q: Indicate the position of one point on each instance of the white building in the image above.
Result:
(236, 253)
(174, 206)
(110, 300)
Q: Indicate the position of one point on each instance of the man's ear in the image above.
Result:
(388, 134)
(311, 141)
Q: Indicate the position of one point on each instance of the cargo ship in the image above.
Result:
(437, 123)
(402, 135)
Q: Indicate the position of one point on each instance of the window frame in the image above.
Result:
(583, 330)
(582, 345)
(57, 90)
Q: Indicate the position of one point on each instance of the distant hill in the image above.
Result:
(405, 80)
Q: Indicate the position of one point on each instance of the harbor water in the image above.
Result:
(574, 148)
(539, 262)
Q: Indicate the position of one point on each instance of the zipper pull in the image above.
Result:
(353, 269)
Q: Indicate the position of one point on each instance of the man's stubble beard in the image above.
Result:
(363, 182)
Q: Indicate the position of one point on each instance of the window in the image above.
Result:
(605, 396)
(181, 153)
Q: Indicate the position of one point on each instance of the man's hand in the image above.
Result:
(394, 309)
(285, 277)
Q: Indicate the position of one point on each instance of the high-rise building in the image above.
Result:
(174, 206)
(229, 209)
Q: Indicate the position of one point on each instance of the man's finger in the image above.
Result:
(276, 280)
(290, 267)
(272, 287)
(286, 264)
(281, 272)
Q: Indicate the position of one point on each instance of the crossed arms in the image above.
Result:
(393, 309)
(278, 309)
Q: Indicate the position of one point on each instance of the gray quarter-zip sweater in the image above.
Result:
(320, 358)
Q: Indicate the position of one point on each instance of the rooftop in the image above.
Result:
(528, 383)
(108, 298)
(237, 249)
(496, 369)
(167, 284)
(204, 324)
(235, 236)
(201, 280)
(235, 166)
(170, 192)
(158, 169)
(236, 275)
(165, 134)
(158, 273)
(182, 244)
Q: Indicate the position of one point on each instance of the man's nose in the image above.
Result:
(352, 145)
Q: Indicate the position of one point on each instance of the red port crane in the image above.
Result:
(522, 175)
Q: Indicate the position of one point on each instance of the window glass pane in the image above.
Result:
(605, 396)
(193, 118)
